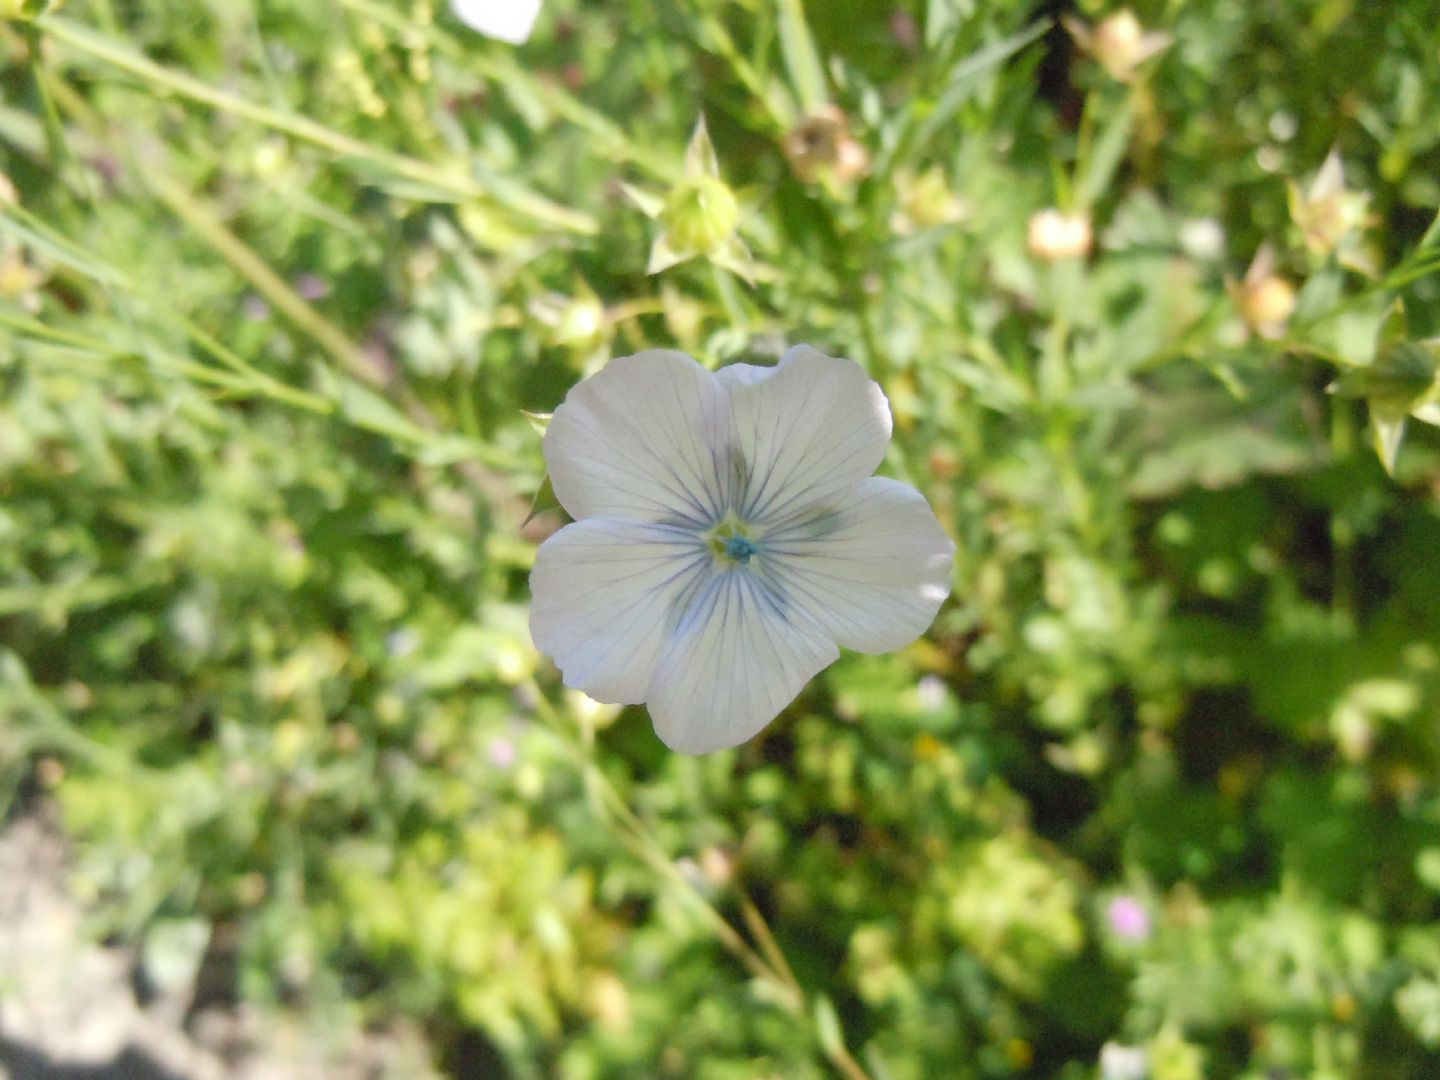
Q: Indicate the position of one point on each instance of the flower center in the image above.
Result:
(740, 549)
(731, 542)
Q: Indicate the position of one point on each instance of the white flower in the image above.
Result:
(1327, 212)
(1119, 1062)
(1118, 42)
(508, 20)
(728, 536)
(1053, 235)
(1202, 239)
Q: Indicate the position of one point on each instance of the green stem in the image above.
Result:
(729, 297)
(59, 152)
(1342, 533)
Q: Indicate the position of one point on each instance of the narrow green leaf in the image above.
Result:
(367, 409)
(964, 82)
(1106, 153)
(827, 1027)
(1396, 326)
(802, 59)
(43, 240)
(1387, 433)
(544, 500)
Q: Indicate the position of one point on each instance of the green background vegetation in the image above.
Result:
(280, 278)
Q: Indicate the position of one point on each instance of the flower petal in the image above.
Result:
(808, 429)
(606, 594)
(507, 20)
(646, 438)
(872, 572)
(735, 660)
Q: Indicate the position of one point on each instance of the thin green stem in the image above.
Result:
(60, 156)
(1342, 532)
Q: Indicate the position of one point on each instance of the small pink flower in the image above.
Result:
(502, 753)
(1129, 921)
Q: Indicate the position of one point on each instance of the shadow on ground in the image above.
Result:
(24, 1063)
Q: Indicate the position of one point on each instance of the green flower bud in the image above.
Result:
(700, 215)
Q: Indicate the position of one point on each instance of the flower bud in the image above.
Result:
(1118, 43)
(700, 215)
(821, 145)
(1264, 299)
(1120, 1062)
(569, 321)
(925, 202)
(1267, 305)
(1054, 235)
(1326, 212)
(1116, 40)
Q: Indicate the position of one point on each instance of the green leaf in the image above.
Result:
(367, 409)
(545, 499)
(964, 82)
(1395, 327)
(827, 1027)
(1388, 433)
(1402, 374)
(1105, 154)
(802, 59)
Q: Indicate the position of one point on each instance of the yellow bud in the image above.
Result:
(1266, 305)
(610, 1003)
(717, 867)
(1019, 1053)
(1117, 40)
(1264, 299)
(927, 747)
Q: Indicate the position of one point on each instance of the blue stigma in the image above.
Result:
(739, 549)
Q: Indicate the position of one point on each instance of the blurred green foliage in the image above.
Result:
(277, 280)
